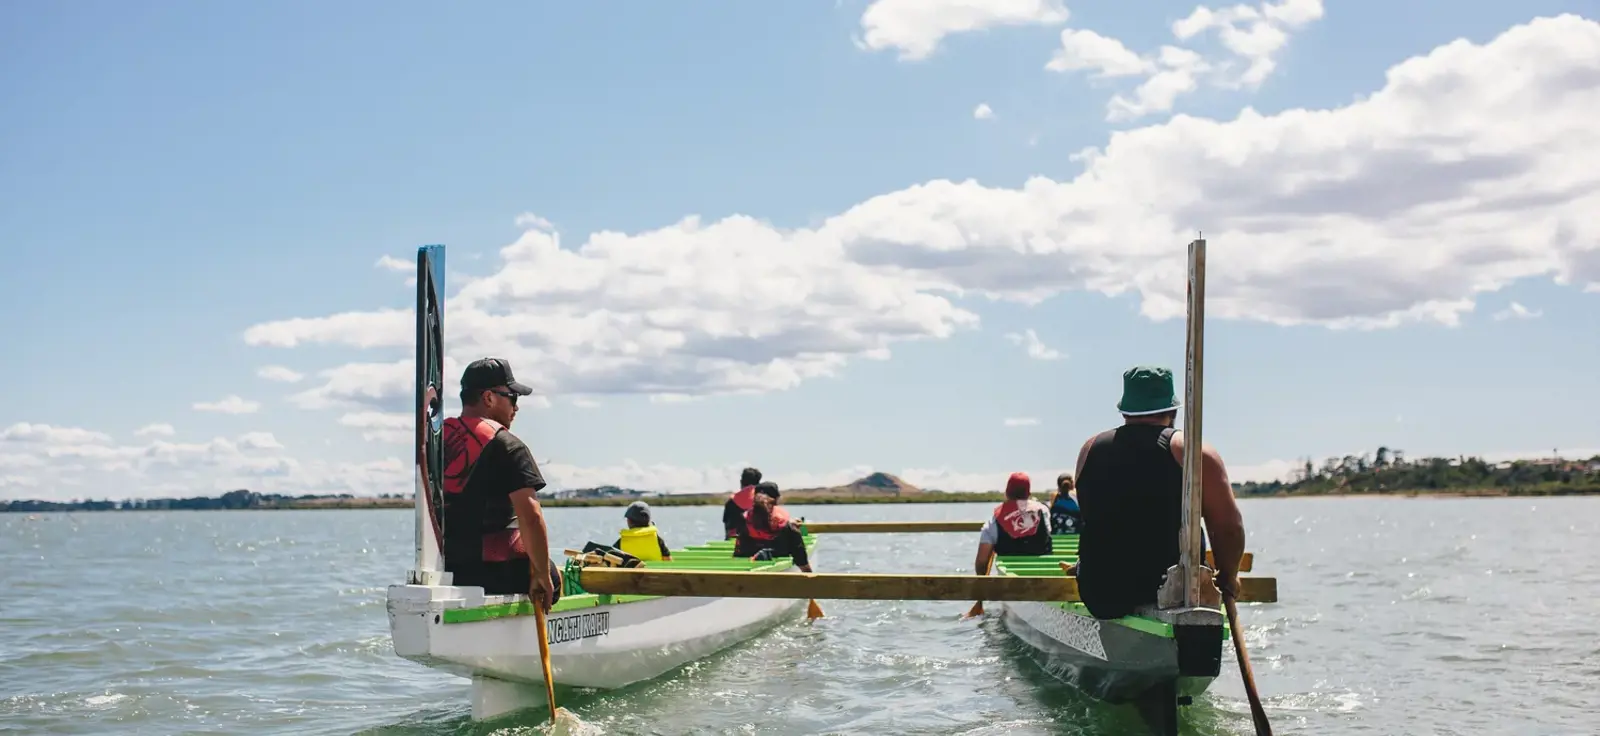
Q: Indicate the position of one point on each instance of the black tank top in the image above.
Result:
(1130, 496)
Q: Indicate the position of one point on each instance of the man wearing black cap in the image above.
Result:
(494, 530)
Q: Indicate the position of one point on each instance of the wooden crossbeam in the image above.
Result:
(912, 527)
(890, 527)
(857, 586)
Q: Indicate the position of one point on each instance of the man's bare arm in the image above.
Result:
(1219, 508)
(981, 565)
(535, 537)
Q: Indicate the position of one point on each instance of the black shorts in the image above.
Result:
(503, 578)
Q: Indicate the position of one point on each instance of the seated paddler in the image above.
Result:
(641, 539)
(1064, 518)
(733, 510)
(1020, 526)
(768, 531)
(1130, 494)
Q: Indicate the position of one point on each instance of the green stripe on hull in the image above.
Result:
(1064, 548)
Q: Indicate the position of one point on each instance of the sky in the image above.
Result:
(923, 237)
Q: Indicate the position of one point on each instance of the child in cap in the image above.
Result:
(641, 539)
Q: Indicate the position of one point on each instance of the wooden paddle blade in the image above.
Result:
(544, 659)
(974, 612)
(813, 611)
(1257, 712)
(565, 722)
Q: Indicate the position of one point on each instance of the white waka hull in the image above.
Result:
(597, 646)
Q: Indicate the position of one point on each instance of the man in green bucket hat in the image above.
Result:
(1130, 499)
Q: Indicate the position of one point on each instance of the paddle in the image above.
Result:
(544, 659)
(813, 611)
(977, 608)
(1259, 714)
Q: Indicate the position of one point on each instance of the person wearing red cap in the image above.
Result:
(1020, 526)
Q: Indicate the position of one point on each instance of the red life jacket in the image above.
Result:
(1022, 529)
(744, 497)
(777, 521)
(464, 440)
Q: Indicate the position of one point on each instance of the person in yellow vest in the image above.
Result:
(641, 539)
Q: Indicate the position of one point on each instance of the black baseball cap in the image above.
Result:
(490, 372)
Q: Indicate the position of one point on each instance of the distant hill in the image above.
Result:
(876, 484)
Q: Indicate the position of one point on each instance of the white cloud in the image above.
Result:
(1177, 73)
(388, 427)
(583, 402)
(1021, 422)
(983, 111)
(71, 462)
(280, 374)
(155, 430)
(10, 461)
(529, 221)
(1473, 168)
(1253, 34)
(1517, 311)
(1083, 50)
(1035, 347)
(391, 263)
(378, 329)
(44, 433)
(1252, 37)
(258, 441)
(229, 405)
(733, 307)
(916, 27)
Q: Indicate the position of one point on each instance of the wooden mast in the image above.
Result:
(1190, 558)
(1189, 591)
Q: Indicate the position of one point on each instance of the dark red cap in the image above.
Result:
(1018, 486)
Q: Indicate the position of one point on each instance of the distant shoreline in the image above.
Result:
(797, 499)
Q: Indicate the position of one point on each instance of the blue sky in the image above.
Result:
(179, 179)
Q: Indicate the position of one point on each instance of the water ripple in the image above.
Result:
(1399, 616)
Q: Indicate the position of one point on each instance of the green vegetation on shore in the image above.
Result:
(1388, 472)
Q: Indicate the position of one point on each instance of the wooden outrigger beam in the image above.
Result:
(890, 527)
(856, 586)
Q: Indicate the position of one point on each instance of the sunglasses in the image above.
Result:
(510, 396)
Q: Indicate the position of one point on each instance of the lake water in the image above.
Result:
(1398, 616)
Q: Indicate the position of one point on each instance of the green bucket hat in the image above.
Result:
(1147, 390)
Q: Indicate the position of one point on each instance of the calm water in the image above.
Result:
(1400, 616)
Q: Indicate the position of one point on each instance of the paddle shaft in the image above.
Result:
(544, 658)
(977, 607)
(1258, 713)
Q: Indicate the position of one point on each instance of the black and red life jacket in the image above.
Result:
(464, 440)
(775, 523)
(1023, 528)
